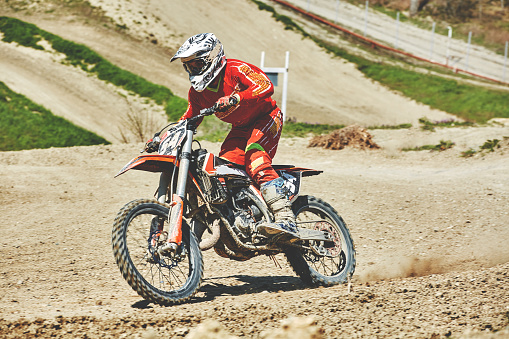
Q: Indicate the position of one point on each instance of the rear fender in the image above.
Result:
(306, 172)
(150, 163)
(293, 177)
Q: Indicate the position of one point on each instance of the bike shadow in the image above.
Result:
(246, 284)
(212, 288)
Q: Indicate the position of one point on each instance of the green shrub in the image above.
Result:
(287, 21)
(472, 103)
(301, 129)
(400, 126)
(442, 146)
(468, 153)
(490, 145)
(81, 56)
(213, 129)
(428, 125)
(24, 34)
(26, 125)
(175, 107)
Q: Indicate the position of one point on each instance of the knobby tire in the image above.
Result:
(311, 268)
(165, 270)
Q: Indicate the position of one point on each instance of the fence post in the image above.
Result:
(448, 45)
(397, 31)
(309, 2)
(505, 60)
(366, 18)
(337, 12)
(273, 72)
(432, 42)
(285, 84)
(468, 49)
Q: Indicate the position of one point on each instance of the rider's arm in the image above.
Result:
(192, 108)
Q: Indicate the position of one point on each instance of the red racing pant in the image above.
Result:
(254, 146)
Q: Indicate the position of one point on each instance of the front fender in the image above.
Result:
(150, 163)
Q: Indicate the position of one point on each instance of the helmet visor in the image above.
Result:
(195, 66)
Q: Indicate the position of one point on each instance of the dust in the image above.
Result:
(354, 136)
(407, 267)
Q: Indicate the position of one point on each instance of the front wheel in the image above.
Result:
(318, 263)
(139, 229)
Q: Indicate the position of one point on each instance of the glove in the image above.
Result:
(225, 103)
(152, 145)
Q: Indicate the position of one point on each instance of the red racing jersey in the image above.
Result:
(238, 77)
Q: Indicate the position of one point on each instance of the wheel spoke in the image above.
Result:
(317, 217)
(162, 279)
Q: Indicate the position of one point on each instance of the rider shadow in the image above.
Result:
(250, 285)
(142, 304)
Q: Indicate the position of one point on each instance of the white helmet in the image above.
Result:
(203, 58)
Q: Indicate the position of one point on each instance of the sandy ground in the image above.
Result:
(430, 228)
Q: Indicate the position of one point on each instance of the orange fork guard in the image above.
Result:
(175, 220)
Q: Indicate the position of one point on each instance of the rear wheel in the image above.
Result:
(324, 264)
(139, 229)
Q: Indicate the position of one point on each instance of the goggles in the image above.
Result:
(195, 66)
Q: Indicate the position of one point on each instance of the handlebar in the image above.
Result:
(203, 113)
(208, 111)
(153, 144)
(232, 101)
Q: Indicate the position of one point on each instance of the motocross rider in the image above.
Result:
(242, 94)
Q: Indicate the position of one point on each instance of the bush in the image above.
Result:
(81, 56)
(300, 129)
(26, 125)
(442, 146)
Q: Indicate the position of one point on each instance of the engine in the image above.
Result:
(246, 213)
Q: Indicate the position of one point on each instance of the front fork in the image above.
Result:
(177, 200)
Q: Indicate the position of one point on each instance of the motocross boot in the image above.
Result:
(284, 225)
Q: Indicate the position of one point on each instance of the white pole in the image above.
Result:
(309, 2)
(262, 61)
(448, 45)
(366, 18)
(397, 31)
(505, 60)
(337, 12)
(285, 85)
(468, 49)
(432, 42)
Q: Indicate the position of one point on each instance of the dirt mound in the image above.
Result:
(354, 136)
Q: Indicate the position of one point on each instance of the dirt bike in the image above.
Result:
(204, 202)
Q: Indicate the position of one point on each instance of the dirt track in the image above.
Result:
(430, 228)
(412, 215)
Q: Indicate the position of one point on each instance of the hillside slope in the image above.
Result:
(321, 88)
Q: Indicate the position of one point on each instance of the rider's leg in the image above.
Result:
(234, 146)
(261, 148)
(275, 194)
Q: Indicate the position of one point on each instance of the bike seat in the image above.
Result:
(221, 161)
